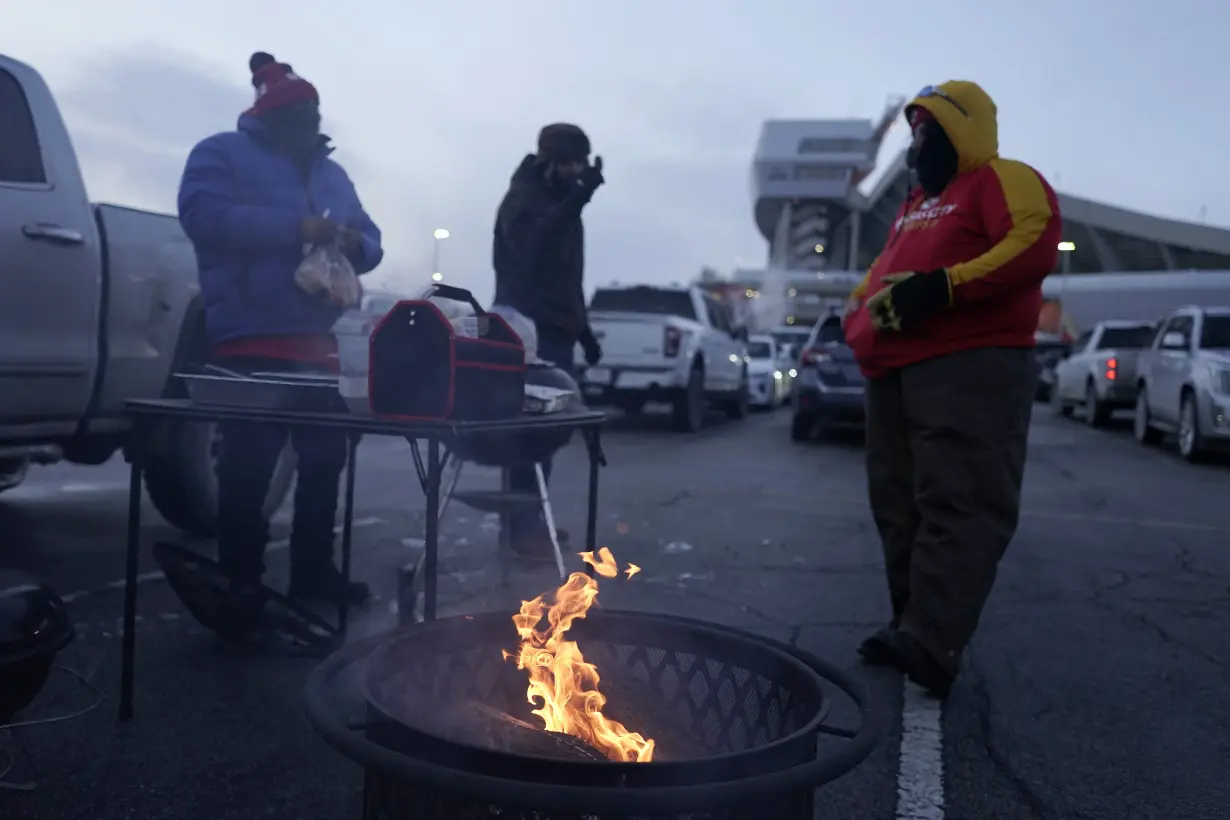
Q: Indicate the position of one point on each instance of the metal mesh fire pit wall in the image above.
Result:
(442, 726)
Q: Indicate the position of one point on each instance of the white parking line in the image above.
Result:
(1151, 523)
(920, 770)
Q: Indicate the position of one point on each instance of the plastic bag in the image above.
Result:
(327, 274)
(524, 327)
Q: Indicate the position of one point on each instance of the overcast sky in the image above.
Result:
(432, 105)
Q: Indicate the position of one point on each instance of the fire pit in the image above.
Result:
(699, 722)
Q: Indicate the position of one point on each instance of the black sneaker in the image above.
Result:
(917, 664)
(327, 587)
(879, 649)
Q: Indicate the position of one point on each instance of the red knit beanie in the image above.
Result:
(277, 85)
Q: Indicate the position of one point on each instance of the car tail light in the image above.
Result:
(1112, 367)
(672, 340)
(813, 356)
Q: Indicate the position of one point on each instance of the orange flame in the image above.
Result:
(562, 683)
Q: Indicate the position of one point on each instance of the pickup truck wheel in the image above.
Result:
(13, 472)
(740, 404)
(688, 408)
(182, 485)
(1191, 443)
(1097, 414)
(1058, 406)
(1142, 423)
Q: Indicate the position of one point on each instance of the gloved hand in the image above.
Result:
(590, 179)
(909, 299)
(316, 230)
(352, 242)
(590, 346)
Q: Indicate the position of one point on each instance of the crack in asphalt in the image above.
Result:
(980, 685)
(1163, 634)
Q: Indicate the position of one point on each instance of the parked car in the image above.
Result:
(792, 338)
(1099, 375)
(1183, 382)
(99, 304)
(1049, 351)
(675, 345)
(829, 387)
(770, 370)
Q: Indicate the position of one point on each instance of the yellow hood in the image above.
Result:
(968, 116)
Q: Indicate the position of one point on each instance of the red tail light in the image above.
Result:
(672, 340)
(1112, 367)
(813, 356)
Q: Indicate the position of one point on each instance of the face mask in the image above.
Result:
(294, 129)
(932, 157)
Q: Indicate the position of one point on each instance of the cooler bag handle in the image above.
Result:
(458, 295)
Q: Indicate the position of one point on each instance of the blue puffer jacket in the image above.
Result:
(240, 202)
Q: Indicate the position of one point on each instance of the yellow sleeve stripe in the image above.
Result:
(1029, 212)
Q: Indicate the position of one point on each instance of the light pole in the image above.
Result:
(1067, 249)
(437, 235)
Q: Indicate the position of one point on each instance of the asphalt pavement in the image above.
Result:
(1097, 686)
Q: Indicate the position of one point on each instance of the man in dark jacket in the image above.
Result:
(539, 260)
(252, 201)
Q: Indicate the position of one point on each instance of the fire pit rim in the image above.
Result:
(352, 743)
(680, 768)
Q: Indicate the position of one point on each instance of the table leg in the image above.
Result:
(593, 446)
(343, 607)
(132, 566)
(431, 530)
(504, 539)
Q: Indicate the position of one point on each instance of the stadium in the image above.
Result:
(822, 231)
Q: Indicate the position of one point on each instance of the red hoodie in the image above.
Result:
(996, 230)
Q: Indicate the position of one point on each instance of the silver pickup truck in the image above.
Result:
(98, 304)
(1099, 374)
(1183, 382)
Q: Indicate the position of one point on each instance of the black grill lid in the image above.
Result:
(33, 618)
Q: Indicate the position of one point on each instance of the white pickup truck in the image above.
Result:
(674, 345)
(98, 304)
(1099, 374)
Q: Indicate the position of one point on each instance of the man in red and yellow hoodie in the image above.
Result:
(943, 328)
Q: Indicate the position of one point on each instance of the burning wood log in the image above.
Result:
(486, 726)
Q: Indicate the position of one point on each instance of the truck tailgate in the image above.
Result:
(631, 339)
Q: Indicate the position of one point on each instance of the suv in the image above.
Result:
(828, 387)
(1183, 382)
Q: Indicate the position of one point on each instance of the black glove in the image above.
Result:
(909, 299)
(590, 179)
(589, 344)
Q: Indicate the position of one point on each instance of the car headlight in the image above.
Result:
(1219, 379)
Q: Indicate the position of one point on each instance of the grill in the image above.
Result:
(441, 725)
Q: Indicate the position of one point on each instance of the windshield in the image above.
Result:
(1126, 338)
(830, 332)
(759, 350)
(791, 337)
(1216, 333)
(658, 301)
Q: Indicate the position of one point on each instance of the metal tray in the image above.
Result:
(282, 391)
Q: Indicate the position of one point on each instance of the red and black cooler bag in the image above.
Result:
(422, 367)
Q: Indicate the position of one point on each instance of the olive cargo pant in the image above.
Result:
(946, 442)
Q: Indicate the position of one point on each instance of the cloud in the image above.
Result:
(677, 166)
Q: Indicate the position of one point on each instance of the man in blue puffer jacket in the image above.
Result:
(252, 200)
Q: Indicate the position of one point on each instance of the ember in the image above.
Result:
(562, 684)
